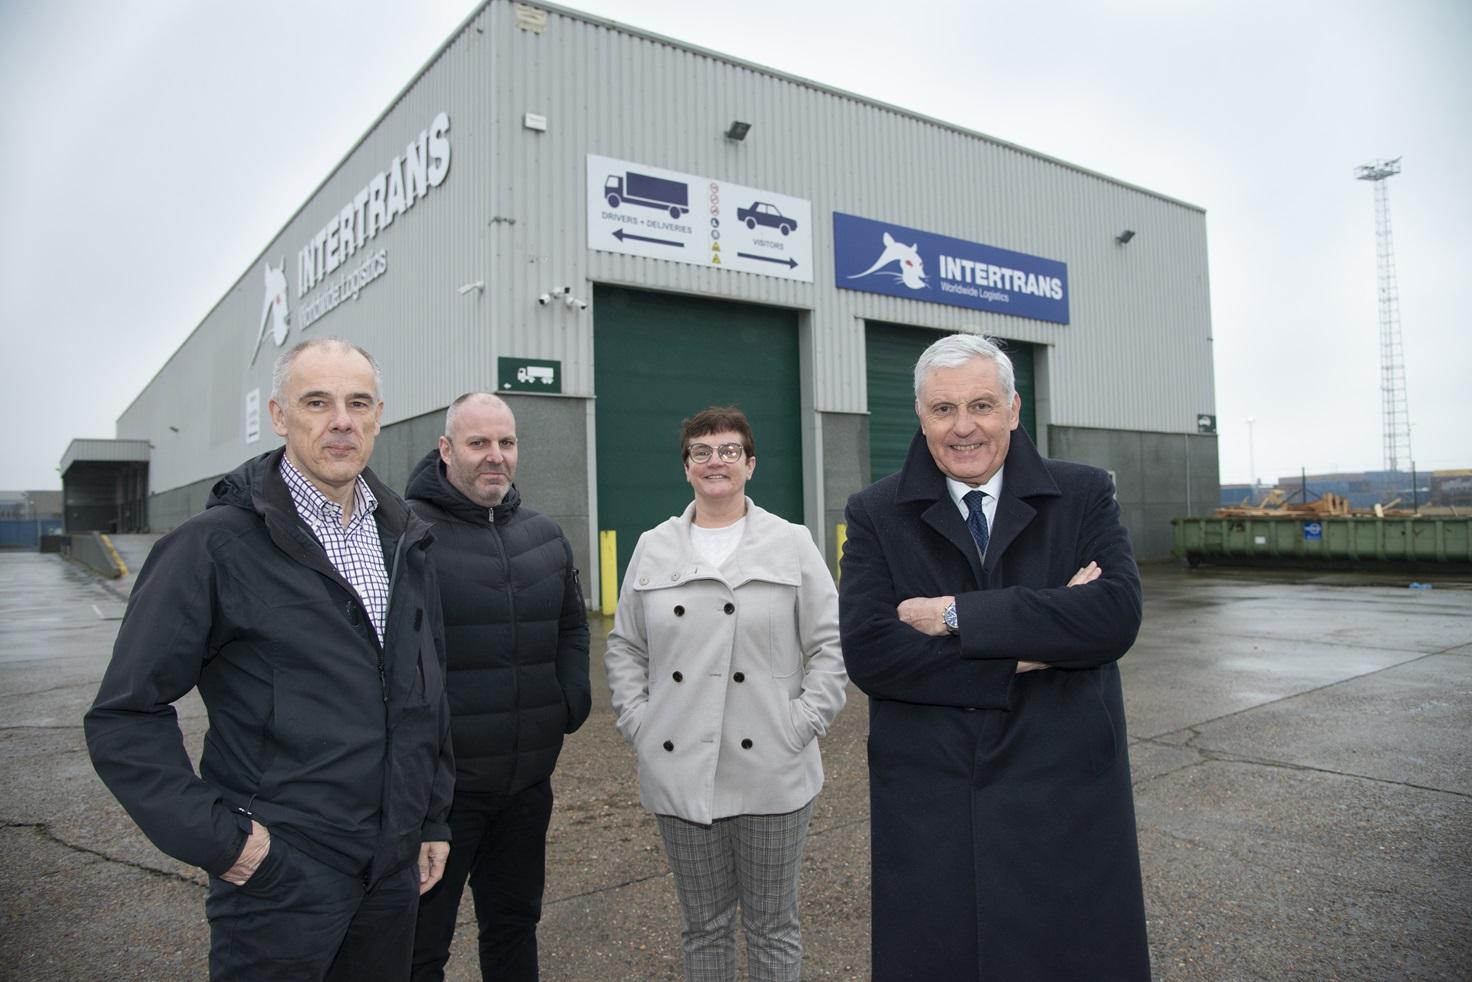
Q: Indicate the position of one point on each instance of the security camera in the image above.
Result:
(580, 304)
(544, 299)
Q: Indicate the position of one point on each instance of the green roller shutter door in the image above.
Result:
(890, 351)
(658, 358)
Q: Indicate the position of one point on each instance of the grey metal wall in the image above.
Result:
(510, 215)
(171, 508)
(1157, 477)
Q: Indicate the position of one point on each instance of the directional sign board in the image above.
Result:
(529, 375)
(663, 214)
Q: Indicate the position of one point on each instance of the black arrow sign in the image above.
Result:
(620, 234)
(789, 262)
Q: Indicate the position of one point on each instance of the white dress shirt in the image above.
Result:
(993, 489)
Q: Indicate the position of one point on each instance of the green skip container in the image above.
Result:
(1338, 540)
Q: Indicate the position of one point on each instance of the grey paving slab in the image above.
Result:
(1174, 679)
(1216, 644)
(1150, 759)
(1260, 872)
(68, 915)
(1421, 733)
(45, 610)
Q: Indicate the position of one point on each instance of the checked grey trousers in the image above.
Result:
(751, 858)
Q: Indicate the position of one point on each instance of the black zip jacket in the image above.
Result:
(516, 632)
(334, 742)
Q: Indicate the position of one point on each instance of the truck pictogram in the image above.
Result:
(535, 373)
(647, 190)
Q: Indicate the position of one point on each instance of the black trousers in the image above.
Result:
(298, 920)
(499, 843)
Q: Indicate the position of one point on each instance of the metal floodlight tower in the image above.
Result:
(1396, 419)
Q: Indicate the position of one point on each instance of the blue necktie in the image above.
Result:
(976, 520)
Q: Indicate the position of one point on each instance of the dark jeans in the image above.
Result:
(499, 842)
(299, 920)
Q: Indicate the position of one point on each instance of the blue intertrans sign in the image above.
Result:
(878, 257)
(1313, 531)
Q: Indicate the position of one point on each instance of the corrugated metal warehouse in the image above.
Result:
(615, 229)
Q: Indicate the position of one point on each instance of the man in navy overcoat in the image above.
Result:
(985, 631)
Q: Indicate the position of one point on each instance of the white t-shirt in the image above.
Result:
(714, 546)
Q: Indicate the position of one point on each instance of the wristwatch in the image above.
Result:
(949, 616)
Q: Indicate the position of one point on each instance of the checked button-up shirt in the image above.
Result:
(354, 550)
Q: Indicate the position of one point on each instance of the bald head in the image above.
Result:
(282, 369)
(479, 447)
(483, 399)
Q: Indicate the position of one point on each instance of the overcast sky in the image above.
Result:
(152, 149)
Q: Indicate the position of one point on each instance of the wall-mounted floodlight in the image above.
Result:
(1124, 237)
(479, 286)
(738, 130)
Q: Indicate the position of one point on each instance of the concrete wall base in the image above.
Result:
(1157, 476)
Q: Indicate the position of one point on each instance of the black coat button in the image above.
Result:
(679, 610)
(739, 676)
(746, 744)
(669, 745)
(678, 677)
(730, 608)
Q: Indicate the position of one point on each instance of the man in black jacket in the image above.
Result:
(987, 594)
(517, 639)
(302, 606)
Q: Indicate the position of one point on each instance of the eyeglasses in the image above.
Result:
(729, 452)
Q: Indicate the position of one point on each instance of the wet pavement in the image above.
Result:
(1302, 771)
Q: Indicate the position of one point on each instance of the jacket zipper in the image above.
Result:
(515, 663)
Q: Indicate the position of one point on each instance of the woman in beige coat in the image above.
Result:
(725, 669)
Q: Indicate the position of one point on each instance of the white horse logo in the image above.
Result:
(273, 308)
(912, 267)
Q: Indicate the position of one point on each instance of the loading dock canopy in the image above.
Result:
(104, 485)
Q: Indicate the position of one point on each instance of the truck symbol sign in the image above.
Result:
(647, 190)
(536, 373)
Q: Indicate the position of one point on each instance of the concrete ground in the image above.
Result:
(1302, 782)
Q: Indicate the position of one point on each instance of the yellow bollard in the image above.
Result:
(608, 571)
(840, 536)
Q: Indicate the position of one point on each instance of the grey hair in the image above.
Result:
(454, 409)
(289, 356)
(955, 350)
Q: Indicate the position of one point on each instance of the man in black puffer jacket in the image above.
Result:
(517, 641)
